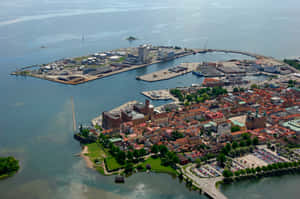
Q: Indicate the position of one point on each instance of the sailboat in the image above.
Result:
(205, 50)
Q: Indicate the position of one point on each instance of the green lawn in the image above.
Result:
(96, 152)
(157, 167)
(112, 164)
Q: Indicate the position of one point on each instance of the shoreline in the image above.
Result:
(83, 154)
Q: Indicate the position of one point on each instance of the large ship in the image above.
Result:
(198, 73)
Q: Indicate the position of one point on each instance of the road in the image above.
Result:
(207, 185)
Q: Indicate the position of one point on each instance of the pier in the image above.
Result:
(73, 113)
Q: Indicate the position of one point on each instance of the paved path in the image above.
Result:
(207, 185)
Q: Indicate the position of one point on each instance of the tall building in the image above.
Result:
(143, 54)
(255, 120)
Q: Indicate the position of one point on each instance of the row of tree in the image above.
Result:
(253, 171)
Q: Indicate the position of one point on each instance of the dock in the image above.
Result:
(169, 73)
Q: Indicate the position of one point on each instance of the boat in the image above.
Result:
(198, 73)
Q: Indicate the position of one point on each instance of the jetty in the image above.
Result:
(73, 114)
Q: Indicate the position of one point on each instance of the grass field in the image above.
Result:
(96, 152)
(157, 167)
(99, 153)
(112, 164)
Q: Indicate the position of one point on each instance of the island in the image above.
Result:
(8, 167)
(131, 38)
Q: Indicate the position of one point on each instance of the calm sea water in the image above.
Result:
(36, 118)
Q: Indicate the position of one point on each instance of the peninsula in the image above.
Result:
(208, 135)
(225, 130)
(102, 64)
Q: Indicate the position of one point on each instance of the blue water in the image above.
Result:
(36, 119)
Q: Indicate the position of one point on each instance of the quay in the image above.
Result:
(169, 73)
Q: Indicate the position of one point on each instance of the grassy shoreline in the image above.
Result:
(100, 157)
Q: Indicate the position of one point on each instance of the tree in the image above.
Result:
(255, 141)
(254, 86)
(242, 143)
(235, 128)
(237, 173)
(163, 150)
(258, 169)
(121, 157)
(129, 155)
(85, 132)
(235, 145)
(228, 147)
(8, 165)
(246, 136)
(221, 159)
(248, 142)
(198, 162)
(142, 152)
(136, 153)
(128, 167)
(235, 90)
(176, 135)
(154, 149)
(189, 98)
(227, 173)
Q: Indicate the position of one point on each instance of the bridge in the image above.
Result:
(206, 185)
